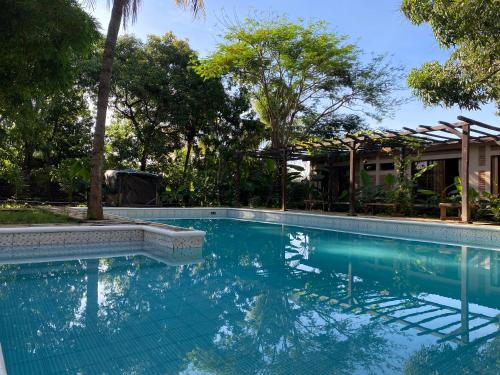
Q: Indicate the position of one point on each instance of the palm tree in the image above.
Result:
(121, 12)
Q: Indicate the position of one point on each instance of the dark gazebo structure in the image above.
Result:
(132, 188)
(464, 132)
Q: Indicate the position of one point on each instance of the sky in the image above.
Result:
(376, 26)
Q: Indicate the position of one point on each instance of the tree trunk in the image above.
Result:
(144, 159)
(237, 181)
(284, 181)
(94, 210)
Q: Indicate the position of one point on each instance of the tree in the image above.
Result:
(471, 30)
(38, 52)
(156, 91)
(49, 135)
(143, 89)
(300, 75)
(121, 11)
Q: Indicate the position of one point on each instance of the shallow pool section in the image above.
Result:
(258, 299)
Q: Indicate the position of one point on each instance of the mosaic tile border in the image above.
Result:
(39, 236)
(70, 252)
(447, 233)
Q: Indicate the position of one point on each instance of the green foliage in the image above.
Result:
(471, 29)
(489, 206)
(40, 40)
(455, 195)
(483, 205)
(49, 132)
(160, 97)
(44, 118)
(443, 359)
(368, 192)
(405, 192)
(72, 175)
(299, 74)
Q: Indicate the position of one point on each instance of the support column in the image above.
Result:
(352, 179)
(330, 182)
(284, 172)
(465, 174)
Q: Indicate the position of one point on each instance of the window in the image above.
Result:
(386, 166)
(370, 167)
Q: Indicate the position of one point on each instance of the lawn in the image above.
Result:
(31, 216)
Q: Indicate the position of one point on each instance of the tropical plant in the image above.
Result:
(122, 11)
(368, 192)
(404, 190)
(72, 176)
(483, 205)
(455, 195)
(489, 206)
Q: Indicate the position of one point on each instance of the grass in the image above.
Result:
(30, 216)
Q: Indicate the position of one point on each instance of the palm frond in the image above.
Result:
(130, 10)
(196, 6)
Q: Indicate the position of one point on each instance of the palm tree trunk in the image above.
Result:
(237, 181)
(94, 210)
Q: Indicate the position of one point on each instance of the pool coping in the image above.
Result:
(428, 231)
(53, 235)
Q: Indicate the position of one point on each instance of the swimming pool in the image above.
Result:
(260, 299)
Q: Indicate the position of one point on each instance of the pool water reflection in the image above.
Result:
(261, 299)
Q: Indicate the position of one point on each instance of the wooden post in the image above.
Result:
(330, 182)
(283, 180)
(465, 174)
(352, 177)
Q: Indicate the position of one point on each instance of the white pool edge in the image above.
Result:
(46, 235)
(3, 368)
(444, 233)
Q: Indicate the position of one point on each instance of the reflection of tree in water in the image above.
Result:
(279, 327)
(252, 308)
(446, 359)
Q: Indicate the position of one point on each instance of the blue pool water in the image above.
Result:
(258, 299)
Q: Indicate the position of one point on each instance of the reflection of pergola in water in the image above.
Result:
(463, 132)
(423, 315)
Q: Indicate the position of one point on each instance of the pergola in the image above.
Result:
(464, 132)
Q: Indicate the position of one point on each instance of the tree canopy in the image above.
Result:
(41, 39)
(471, 30)
(300, 75)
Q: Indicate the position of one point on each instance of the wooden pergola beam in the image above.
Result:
(478, 123)
(445, 126)
(425, 135)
